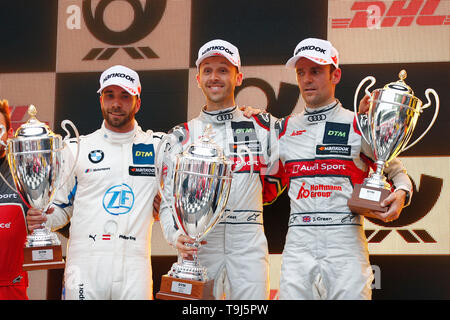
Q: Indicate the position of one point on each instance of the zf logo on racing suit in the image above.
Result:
(118, 199)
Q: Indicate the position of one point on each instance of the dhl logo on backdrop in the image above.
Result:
(401, 13)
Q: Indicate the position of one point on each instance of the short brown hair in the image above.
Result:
(4, 109)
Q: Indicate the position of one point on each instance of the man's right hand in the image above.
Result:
(186, 251)
(36, 218)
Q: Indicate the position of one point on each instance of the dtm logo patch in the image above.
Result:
(143, 154)
(95, 156)
(118, 199)
(244, 133)
(336, 133)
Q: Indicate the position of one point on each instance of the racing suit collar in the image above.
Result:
(321, 114)
(323, 109)
(219, 116)
(117, 137)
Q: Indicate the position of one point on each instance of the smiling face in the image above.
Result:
(217, 78)
(316, 82)
(119, 108)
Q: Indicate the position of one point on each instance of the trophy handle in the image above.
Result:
(64, 124)
(355, 100)
(158, 174)
(436, 111)
(2, 132)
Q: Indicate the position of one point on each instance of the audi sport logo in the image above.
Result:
(378, 14)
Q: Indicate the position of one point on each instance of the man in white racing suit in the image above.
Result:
(325, 254)
(236, 254)
(109, 198)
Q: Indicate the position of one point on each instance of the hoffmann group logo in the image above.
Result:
(401, 13)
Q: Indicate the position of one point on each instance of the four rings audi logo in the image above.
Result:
(224, 117)
(317, 117)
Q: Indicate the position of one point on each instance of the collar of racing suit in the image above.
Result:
(317, 112)
(119, 137)
(219, 116)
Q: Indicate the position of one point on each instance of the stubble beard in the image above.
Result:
(118, 123)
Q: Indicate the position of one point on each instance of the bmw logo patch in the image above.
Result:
(96, 156)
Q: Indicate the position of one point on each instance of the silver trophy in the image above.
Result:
(35, 159)
(388, 127)
(201, 178)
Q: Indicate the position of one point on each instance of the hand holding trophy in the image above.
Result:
(201, 178)
(35, 159)
(388, 127)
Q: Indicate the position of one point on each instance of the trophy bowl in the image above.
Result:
(201, 183)
(35, 158)
(36, 167)
(201, 186)
(388, 127)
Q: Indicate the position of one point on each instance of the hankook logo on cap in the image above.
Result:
(118, 75)
(312, 48)
(220, 48)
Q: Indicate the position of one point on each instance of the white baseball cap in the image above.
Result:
(317, 50)
(121, 76)
(222, 48)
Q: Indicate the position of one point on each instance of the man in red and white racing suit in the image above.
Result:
(325, 254)
(236, 254)
(13, 229)
(109, 198)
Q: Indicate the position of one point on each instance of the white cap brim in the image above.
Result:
(129, 90)
(293, 61)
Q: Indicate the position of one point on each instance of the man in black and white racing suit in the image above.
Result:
(325, 254)
(236, 254)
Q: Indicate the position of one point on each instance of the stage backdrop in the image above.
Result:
(54, 51)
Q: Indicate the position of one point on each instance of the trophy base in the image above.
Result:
(366, 199)
(188, 270)
(42, 257)
(181, 289)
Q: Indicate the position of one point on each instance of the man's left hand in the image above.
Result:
(394, 202)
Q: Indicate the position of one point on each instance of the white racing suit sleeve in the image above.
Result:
(273, 151)
(396, 172)
(65, 194)
(169, 226)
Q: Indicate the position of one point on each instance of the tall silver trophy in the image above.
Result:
(35, 158)
(388, 127)
(201, 179)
